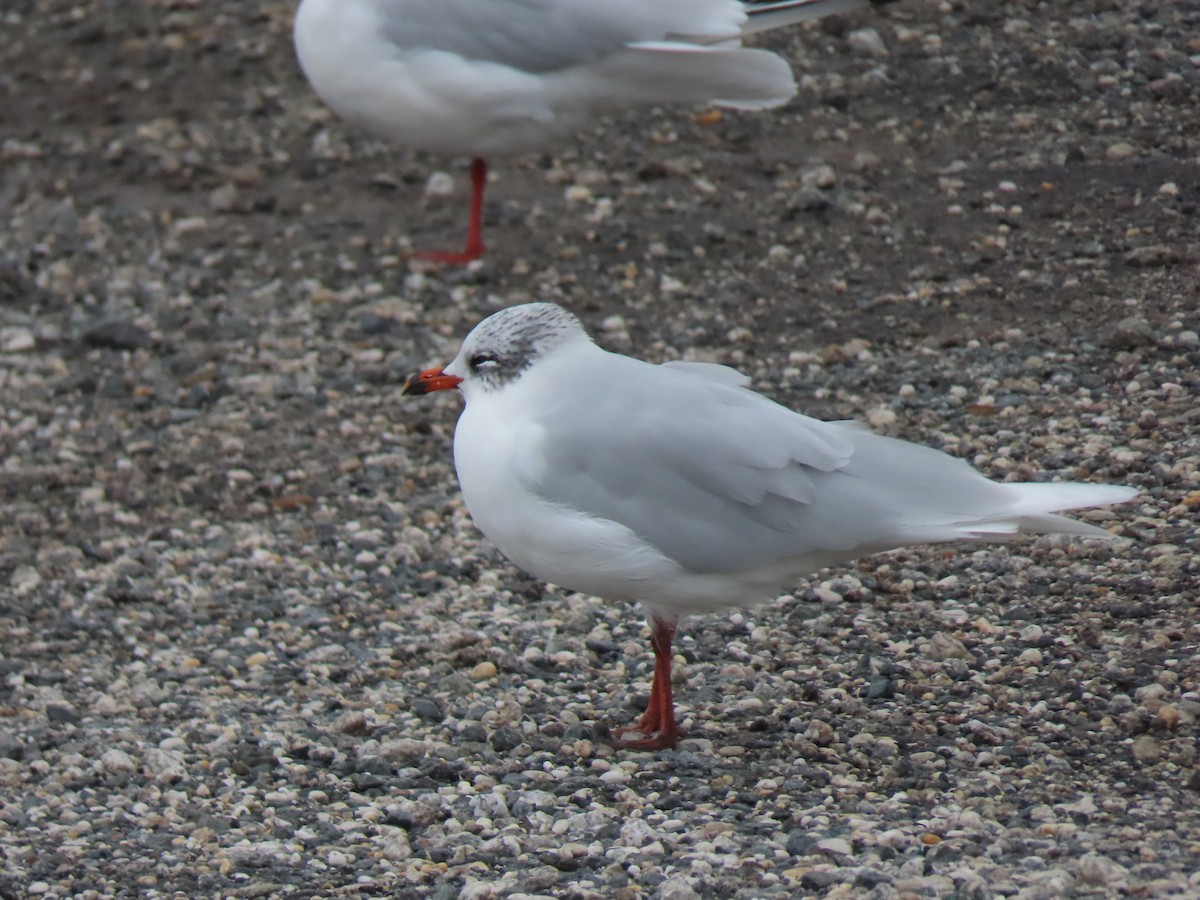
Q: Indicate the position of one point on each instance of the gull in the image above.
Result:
(504, 77)
(676, 486)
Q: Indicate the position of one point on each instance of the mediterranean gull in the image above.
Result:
(676, 486)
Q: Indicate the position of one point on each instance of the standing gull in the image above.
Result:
(676, 486)
(489, 77)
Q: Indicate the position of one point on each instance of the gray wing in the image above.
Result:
(542, 36)
(716, 477)
(722, 480)
(714, 371)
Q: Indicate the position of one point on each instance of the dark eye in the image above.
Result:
(484, 361)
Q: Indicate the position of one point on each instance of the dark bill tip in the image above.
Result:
(429, 381)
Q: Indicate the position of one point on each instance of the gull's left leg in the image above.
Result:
(474, 248)
(657, 725)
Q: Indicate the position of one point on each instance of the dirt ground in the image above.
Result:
(979, 231)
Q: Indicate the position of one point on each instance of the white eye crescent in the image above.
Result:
(482, 362)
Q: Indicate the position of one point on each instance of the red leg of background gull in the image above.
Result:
(474, 248)
(657, 725)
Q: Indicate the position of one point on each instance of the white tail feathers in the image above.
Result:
(738, 77)
(1053, 497)
(1034, 512)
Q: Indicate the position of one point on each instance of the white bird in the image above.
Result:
(676, 486)
(488, 77)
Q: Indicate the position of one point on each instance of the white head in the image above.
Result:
(501, 348)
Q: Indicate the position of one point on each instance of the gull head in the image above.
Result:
(502, 348)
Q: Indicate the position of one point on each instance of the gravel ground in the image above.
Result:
(251, 644)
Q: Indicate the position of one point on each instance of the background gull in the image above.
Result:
(498, 77)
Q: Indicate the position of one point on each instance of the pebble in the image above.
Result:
(117, 762)
(116, 334)
(24, 580)
(678, 888)
(944, 646)
(1147, 749)
(834, 846)
(483, 671)
(821, 177)
(439, 184)
(16, 340)
(867, 42)
(1130, 333)
(1152, 255)
(881, 418)
(1099, 871)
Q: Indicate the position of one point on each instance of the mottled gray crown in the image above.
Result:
(501, 347)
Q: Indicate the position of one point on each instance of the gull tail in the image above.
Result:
(713, 67)
(921, 495)
(1037, 504)
(672, 71)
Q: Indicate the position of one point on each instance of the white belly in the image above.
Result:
(561, 545)
(570, 548)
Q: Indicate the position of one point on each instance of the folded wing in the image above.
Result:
(723, 480)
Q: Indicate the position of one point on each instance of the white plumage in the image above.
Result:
(675, 486)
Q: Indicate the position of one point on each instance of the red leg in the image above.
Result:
(474, 248)
(657, 725)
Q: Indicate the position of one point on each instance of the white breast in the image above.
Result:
(495, 444)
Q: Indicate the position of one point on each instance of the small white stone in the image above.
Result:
(826, 595)
(867, 42)
(439, 184)
(613, 324)
(16, 340)
(117, 762)
(881, 417)
(1098, 870)
(943, 646)
(822, 177)
(189, 225)
(1150, 692)
(167, 766)
(393, 843)
(24, 579)
(677, 888)
(578, 193)
(835, 846)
